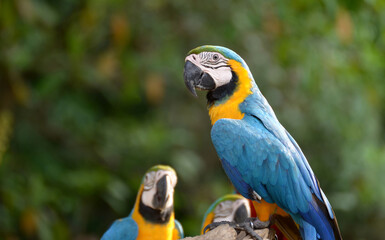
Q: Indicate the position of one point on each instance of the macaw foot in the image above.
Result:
(213, 225)
(248, 226)
(258, 224)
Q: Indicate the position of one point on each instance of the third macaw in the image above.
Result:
(231, 208)
(153, 214)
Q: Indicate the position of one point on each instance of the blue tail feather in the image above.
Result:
(320, 222)
(308, 232)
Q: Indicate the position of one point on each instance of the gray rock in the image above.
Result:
(225, 232)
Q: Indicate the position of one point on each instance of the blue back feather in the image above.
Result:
(257, 152)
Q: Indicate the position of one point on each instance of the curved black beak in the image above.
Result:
(161, 195)
(194, 77)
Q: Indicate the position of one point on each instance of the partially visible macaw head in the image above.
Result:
(158, 187)
(231, 208)
(210, 67)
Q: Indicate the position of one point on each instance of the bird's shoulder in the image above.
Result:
(245, 134)
(124, 228)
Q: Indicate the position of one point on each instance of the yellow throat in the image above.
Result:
(148, 230)
(230, 108)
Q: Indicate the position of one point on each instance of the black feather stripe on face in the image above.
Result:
(155, 215)
(224, 91)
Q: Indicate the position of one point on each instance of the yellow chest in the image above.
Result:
(154, 231)
(229, 108)
(147, 230)
(225, 110)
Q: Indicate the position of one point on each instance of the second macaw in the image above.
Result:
(153, 214)
(262, 160)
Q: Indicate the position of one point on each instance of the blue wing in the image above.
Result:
(122, 229)
(254, 157)
(265, 159)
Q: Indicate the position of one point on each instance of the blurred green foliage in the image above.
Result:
(92, 95)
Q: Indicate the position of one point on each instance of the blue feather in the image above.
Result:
(319, 221)
(122, 229)
(243, 188)
(308, 231)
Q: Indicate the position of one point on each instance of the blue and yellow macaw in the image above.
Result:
(230, 208)
(235, 208)
(153, 214)
(260, 157)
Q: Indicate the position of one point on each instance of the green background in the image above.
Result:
(92, 95)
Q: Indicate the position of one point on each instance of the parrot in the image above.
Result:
(152, 216)
(259, 156)
(235, 208)
(230, 207)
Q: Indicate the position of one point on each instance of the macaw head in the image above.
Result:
(212, 68)
(158, 187)
(155, 200)
(231, 208)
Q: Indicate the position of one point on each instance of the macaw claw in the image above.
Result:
(258, 224)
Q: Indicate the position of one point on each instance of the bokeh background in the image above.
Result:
(92, 95)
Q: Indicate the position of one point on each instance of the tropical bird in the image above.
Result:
(230, 208)
(153, 214)
(234, 208)
(262, 160)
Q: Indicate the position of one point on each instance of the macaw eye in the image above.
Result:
(223, 209)
(215, 57)
(219, 208)
(149, 181)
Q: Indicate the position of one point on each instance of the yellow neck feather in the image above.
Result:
(149, 230)
(230, 108)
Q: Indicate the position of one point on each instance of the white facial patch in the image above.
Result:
(213, 63)
(150, 189)
(225, 211)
